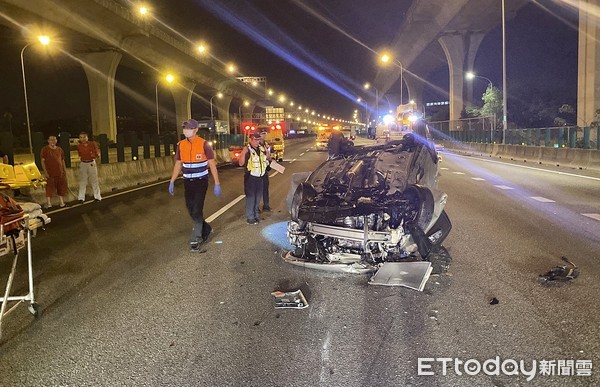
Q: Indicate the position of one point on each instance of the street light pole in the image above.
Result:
(44, 40)
(26, 103)
(218, 95)
(401, 84)
(504, 114)
(157, 113)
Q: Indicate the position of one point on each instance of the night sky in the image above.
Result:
(312, 62)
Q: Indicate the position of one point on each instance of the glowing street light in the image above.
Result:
(44, 41)
(143, 10)
(219, 95)
(386, 58)
(367, 86)
(169, 78)
(231, 68)
(202, 49)
(471, 75)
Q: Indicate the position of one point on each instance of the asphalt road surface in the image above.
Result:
(124, 302)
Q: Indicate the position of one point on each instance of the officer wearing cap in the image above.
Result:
(254, 158)
(194, 157)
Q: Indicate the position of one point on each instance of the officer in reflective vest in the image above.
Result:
(254, 158)
(194, 157)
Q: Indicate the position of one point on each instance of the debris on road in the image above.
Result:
(289, 300)
(494, 301)
(560, 274)
(412, 275)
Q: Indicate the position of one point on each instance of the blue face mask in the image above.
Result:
(188, 133)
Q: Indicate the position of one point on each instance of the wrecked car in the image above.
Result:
(372, 205)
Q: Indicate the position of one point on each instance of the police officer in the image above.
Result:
(194, 157)
(254, 158)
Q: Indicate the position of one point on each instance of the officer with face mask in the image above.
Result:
(194, 157)
(255, 158)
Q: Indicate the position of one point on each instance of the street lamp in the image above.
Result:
(471, 75)
(367, 86)
(246, 103)
(385, 58)
(44, 40)
(219, 95)
(169, 78)
(359, 100)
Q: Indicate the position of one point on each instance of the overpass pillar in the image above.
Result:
(588, 79)
(473, 41)
(454, 48)
(100, 69)
(182, 96)
(415, 88)
(222, 105)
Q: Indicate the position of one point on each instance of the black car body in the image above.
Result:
(370, 205)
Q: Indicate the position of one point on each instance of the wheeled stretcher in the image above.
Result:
(12, 241)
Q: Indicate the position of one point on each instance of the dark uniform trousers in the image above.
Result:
(195, 193)
(253, 188)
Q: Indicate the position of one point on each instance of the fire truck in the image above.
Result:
(395, 127)
(272, 129)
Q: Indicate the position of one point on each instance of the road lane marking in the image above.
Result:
(325, 355)
(526, 167)
(222, 210)
(444, 169)
(458, 173)
(302, 154)
(593, 216)
(478, 178)
(292, 161)
(273, 174)
(542, 199)
(503, 186)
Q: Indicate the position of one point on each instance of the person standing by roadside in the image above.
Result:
(254, 158)
(88, 153)
(194, 157)
(55, 170)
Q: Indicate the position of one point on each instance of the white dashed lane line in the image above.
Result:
(302, 154)
(538, 198)
(593, 216)
(292, 161)
(273, 174)
(542, 199)
(444, 169)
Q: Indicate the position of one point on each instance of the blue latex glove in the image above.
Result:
(217, 190)
(172, 188)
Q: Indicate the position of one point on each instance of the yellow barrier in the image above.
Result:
(21, 176)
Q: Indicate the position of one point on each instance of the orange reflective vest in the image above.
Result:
(194, 163)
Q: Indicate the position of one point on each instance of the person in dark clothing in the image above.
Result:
(336, 144)
(195, 158)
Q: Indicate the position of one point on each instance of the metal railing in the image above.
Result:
(481, 130)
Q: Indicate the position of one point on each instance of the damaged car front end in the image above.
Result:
(377, 204)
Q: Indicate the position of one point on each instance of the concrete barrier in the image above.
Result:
(566, 157)
(116, 176)
(532, 154)
(579, 158)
